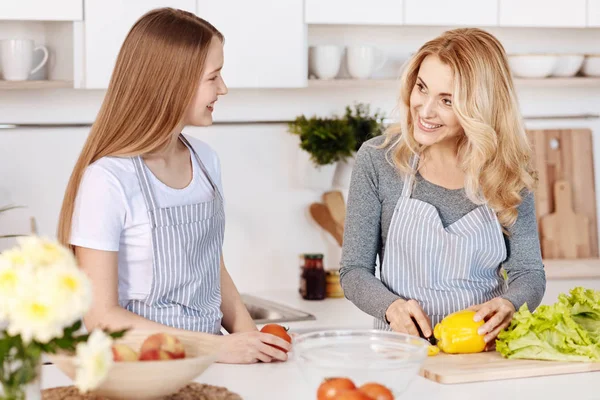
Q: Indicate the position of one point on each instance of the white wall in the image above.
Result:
(267, 221)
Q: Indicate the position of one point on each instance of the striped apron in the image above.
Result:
(187, 242)
(445, 269)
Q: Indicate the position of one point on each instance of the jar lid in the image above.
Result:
(313, 256)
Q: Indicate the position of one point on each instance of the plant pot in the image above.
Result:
(343, 173)
(310, 176)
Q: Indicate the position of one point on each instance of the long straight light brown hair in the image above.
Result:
(495, 153)
(156, 75)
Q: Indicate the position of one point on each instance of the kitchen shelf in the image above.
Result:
(572, 269)
(580, 82)
(19, 85)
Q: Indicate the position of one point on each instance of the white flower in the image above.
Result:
(14, 257)
(69, 289)
(42, 291)
(41, 252)
(35, 316)
(13, 279)
(93, 361)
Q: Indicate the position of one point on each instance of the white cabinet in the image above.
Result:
(107, 23)
(593, 13)
(372, 12)
(265, 41)
(543, 13)
(451, 13)
(41, 10)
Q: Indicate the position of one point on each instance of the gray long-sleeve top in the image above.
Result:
(374, 191)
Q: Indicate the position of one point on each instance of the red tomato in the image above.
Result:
(331, 388)
(278, 331)
(376, 391)
(353, 395)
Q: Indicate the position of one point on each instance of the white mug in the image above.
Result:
(363, 61)
(325, 61)
(16, 58)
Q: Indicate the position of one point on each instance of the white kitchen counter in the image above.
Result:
(284, 380)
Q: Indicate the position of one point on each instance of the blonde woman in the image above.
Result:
(143, 209)
(445, 197)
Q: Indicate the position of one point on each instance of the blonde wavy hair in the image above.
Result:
(154, 80)
(495, 153)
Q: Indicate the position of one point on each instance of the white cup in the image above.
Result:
(325, 61)
(363, 61)
(16, 58)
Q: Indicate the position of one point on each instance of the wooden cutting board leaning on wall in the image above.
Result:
(565, 155)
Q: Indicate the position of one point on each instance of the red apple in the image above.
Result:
(122, 352)
(161, 346)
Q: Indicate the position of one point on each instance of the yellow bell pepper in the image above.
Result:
(432, 351)
(457, 333)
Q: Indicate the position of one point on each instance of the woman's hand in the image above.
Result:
(497, 313)
(251, 347)
(400, 316)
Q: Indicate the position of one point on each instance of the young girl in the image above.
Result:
(143, 209)
(445, 198)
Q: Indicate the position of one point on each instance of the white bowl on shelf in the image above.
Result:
(568, 65)
(532, 65)
(388, 358)
(591, 65)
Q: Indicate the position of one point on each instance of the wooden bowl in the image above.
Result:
(148, 379)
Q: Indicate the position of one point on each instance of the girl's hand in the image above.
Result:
(252, 347)
(497, 313)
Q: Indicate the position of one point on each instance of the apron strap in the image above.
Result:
(202, 167)
(147, 190)
(410, 179)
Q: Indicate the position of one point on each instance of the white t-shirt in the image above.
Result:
(110, 212)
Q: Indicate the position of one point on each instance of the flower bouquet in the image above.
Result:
(43, 298)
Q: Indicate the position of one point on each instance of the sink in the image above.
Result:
(267, 312)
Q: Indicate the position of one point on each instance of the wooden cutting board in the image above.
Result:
(564, 234)
(491, 366)
(566, 154)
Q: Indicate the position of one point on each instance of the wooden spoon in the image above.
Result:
(322, 216)
(334, 200)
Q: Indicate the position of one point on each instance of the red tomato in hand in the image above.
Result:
(331, 388)
(279, 331)
(376, 391)
(352, 395)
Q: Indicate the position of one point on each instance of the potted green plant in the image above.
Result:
(324, 141)
(365, 126)
(330, 144)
